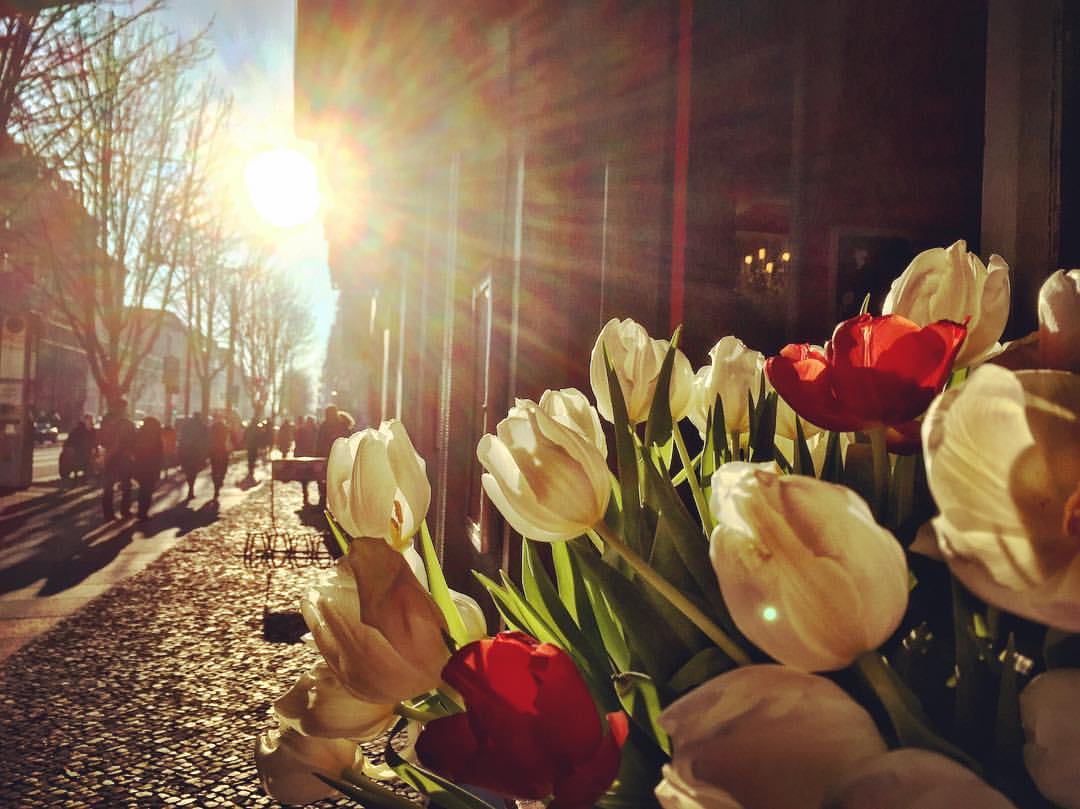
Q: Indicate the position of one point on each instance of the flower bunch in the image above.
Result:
(843, 576)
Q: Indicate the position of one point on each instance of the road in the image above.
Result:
(57, 553)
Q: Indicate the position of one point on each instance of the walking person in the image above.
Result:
(117, 436)
(306, 435)
(330, 431)
(252, 438)
(78, 452)
(219, 454)
(148, 456)
(192, 450)
(285, 438)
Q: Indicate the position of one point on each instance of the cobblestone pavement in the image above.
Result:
(152, 695)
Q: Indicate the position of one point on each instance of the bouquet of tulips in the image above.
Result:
(845, 576)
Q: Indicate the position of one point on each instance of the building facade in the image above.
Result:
(505, 177)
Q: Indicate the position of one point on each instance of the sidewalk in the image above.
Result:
(57, 553)
(152, 695)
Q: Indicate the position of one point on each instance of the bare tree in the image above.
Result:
(130, 150)
(276, 328)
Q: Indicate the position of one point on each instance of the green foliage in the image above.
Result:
(439, 591)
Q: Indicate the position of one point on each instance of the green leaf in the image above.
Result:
(607, 623)
(369, 793)
(721, 449)
(441, 792)
(764, 436)
(832, 467)
(438, 589)
(626, 462)
(803, 462)
(971, 723)
(541, 595)
(703, 666)
(642, 703)
(658, 438)
(912, 727)
(1008, 730)
(865, 305)
(335, 529)
(655, 632)
(676, 529)
(573, 594)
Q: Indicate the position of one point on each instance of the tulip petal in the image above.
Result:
(372, 488)
(339, 471)
(804, 379)
(407, 469)
(580, 788)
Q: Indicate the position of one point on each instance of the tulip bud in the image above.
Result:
(1002, 454)
(378, 629)
(318, 705)
(953, 284)
(764, 736)
(1059, 321)
(287, 760)
(550, 481)
(637, 359)
(1049, 706)
(471, 615)
(732, 374)
(911, 777)
(376, 485)
(806, 572)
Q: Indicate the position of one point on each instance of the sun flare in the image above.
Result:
(283, 187)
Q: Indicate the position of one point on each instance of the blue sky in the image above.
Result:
(253, 59)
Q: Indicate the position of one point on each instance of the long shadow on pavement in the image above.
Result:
(67, 547)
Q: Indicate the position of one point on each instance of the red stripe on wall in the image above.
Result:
(682, 161)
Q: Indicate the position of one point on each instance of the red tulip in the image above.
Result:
(530, 728)
(875, 372)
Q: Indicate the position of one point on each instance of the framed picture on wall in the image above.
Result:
(866, 261)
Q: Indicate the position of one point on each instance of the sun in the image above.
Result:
(283, 187)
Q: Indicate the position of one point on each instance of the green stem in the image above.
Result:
(415, 714)
(385, 796)
(880, 453)
(674, 595)
(736, 445)
(692, 479)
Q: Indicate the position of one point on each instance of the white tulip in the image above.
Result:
(1002, 456)
(570, 408)
(953, 284)
(378, 629)
(376, 485)
(911, 778)
(766, 737)
(550, 481)
(733, 373)
(1059, 321)
(806, 572)
(1049, 707)
(319, 705)
(287, 760)
(637, 359)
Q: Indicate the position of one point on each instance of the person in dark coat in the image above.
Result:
(306, 436)
(330, 431)
(80, 444)
(285, 438)
(148, 456)
(192, 450)
(219, 454)
(117, 437)
(252, 439)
